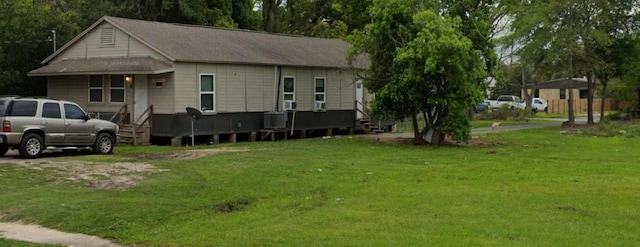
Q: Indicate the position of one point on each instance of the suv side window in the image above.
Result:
(23, 108)
(73, 112)
(51, 110)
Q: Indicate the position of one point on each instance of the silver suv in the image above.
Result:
(34, 124)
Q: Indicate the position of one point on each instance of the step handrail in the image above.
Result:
(148, 118)
(365, 109)
(122, 112)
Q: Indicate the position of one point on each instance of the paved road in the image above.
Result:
(515, 127)
(552, 122)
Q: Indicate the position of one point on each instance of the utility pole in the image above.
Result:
(570, 101)
(53, 37)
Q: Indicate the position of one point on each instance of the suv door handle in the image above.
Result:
(67, 124)
(45, 123)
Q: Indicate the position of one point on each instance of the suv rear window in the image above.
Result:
(3, 106)
(26, 108)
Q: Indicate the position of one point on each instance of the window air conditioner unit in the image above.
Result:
(289, 105)
(319, 106)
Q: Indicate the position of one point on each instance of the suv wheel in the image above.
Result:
(104, 144)
(3, 149)
(31, 146)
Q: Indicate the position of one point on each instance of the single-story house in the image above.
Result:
(244, 82)
(559, 89)
(556, 93)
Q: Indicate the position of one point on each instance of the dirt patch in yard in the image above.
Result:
(189, 155)
(98, 175)
(106, 176)
(103, 176)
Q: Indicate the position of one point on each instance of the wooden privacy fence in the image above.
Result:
(579, 105)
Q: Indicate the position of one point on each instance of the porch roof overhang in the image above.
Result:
(103, 65)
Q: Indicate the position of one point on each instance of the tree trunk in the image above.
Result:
(269, 11)
(527, 95)
(590, 86)
(417, 137)
(604, 97)
(571, 122)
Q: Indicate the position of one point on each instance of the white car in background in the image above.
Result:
(538, 105)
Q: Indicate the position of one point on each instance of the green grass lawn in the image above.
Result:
(526, 188)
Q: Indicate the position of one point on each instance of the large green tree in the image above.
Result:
(421, 64)
(27, 38)
(318, 18)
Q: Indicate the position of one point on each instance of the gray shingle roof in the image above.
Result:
(215, 45)
(104, 65)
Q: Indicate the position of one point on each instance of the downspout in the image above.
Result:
(276, 89)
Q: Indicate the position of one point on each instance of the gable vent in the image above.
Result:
(107, 37)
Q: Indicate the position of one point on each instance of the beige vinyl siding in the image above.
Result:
(76, 89)
(334, 89)
(124, 46)
(162, 98)
(304, 79)
(235, 83)
(95, 49)
(304, 89)
(71, 88)
(78, 50)
(339, 87)
(348, 90)
(239, 88)
(260, 88)
(186, 86)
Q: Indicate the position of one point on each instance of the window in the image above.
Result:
(289, 89)
(320, 90)
(73, 112)
(117, 88)
(563, 93)
(289, 93)
(319, 94)
(23, 109)
(95, 88)
(207, 92)
(51, 110)
(107, 36)
(584, 93)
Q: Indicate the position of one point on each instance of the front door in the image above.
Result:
(360, 99)
(140, 98)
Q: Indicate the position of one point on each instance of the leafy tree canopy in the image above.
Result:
(421, 63)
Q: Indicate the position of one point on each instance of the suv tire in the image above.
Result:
(31, 146)
(3, 149)
(104, 144)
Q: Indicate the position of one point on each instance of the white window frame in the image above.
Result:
(123, 88)
(319, 104)
(101, 88)
(288, 93)
(200, 92)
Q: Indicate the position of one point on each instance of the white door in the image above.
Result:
(359, 99)
(141, 97)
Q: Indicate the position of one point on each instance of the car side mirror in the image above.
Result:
(86, 117)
